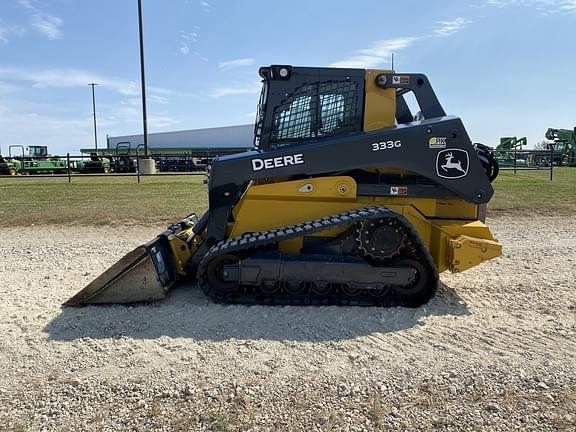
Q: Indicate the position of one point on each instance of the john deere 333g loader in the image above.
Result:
(344, 200)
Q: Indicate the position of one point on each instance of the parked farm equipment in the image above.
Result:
(564, 141)
(123, 161)
(7, 167)
(96, 165)
(509, 152)
(37, 161)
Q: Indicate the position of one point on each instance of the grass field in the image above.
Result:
(100, 200)
(162, 200)
(533, 190)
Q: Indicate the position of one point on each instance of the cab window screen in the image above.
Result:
(314, 111)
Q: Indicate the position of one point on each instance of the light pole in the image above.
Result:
(143, 79)
(94, 115)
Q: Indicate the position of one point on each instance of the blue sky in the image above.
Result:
(505, 66)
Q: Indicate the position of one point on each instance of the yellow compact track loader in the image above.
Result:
(345, 200)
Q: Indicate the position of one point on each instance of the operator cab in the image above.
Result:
(300, 104)
(37, 151)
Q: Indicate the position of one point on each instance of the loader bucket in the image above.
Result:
(145, 274)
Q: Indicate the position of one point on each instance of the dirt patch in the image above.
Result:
(493, 351)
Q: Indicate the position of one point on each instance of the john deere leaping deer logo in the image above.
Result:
(452, 163)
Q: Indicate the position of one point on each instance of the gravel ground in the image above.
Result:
(493, 351)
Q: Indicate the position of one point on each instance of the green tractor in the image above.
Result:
(564, 141)
(7, 167)
(509, 152)
(96, 165)
(37, 161)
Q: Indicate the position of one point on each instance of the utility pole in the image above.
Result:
(143, 79)
(94, 115)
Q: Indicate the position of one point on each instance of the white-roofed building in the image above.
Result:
(207, 142)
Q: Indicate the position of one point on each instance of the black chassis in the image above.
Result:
(230, 175)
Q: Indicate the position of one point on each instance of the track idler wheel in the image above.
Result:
(216, 275)
(419, 287)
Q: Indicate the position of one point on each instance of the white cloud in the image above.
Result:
(185, 39)
(67, 78)
(189, 36)
(158, 99)
(206, 7)
(61, 134)
(544, 6)
(7, 31)
(232, 64)
(6, 88)
(28, 119)
(246, 88)
(45, 23)
(448, 28)
(26, 4)
(70, 78)
(68, 130)
(161, 121)
(131, 102)
(379, 53)
(568, 5)
(48, 24)
(164, 91)
(118, 118)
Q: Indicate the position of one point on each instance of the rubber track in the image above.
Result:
(250, 242)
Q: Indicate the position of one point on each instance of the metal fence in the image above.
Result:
(527, 160)
(70, 166)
